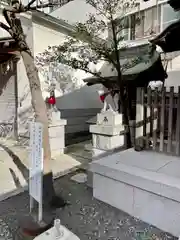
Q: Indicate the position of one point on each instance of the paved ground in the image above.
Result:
(14, 165)
(87, 217)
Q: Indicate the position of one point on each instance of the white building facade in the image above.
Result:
(78, 104)
(155, 16)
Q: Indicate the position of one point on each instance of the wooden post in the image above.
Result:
(139, 114)
(178, 124)
(148, 116)
(170, 119)
(162, 120)
(155, 120)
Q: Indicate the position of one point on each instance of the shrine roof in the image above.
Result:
(155, 72)
(169, 39)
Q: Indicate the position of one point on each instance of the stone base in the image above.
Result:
(97, 152)
(104, 142)
(109, 130)
(51, 235)
(109, 118)
(144, 184)
(57, 137)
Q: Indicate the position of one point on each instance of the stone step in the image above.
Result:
(144, 184)
(82, 150)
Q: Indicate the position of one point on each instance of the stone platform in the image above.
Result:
(144, 184)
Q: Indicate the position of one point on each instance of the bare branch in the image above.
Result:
(7, 18)
(43, 6)
(18, 8)
(96, 74)
(29, 4)
(4, 26)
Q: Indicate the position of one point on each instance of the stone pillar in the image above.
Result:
(139, 114)
(107, 133)
(107, 136)
(57, 134)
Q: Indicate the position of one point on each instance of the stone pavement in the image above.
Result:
(82, 152)
(85, 216)
(14, 165)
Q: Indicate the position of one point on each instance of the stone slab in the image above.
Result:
(56, 131)
(57, 143)
(146, 179)
(172, 168)
(60, 122)
(147, 160)
(113, 192)
(154, 209)
(106, 129)
(50, 235)
(55, 152)
(98, 152)
(79, 178)
(109, 118)
(146, 190)
(107, 142)
(13, 179)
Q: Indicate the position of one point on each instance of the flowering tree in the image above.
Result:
(14, 28)
(57, 74)
(87, 48)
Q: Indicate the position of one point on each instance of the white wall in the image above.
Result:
(74, 11)
(173, 80)
(77, 11)
(44, 37)
(39, 38)
(3, 33)
(85, 97)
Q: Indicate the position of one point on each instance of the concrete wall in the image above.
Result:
(78, 107)
(45, 36)
(7, 101)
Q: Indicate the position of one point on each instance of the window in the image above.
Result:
(145, 23)
(168, 15)
(123, 27)
(137, 25)
(152, 21)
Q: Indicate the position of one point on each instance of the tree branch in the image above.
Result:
(91, 72)
(13, 9)
(43, 6)
(4, 26)
(29, 4)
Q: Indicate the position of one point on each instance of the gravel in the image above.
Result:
(85, 216)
